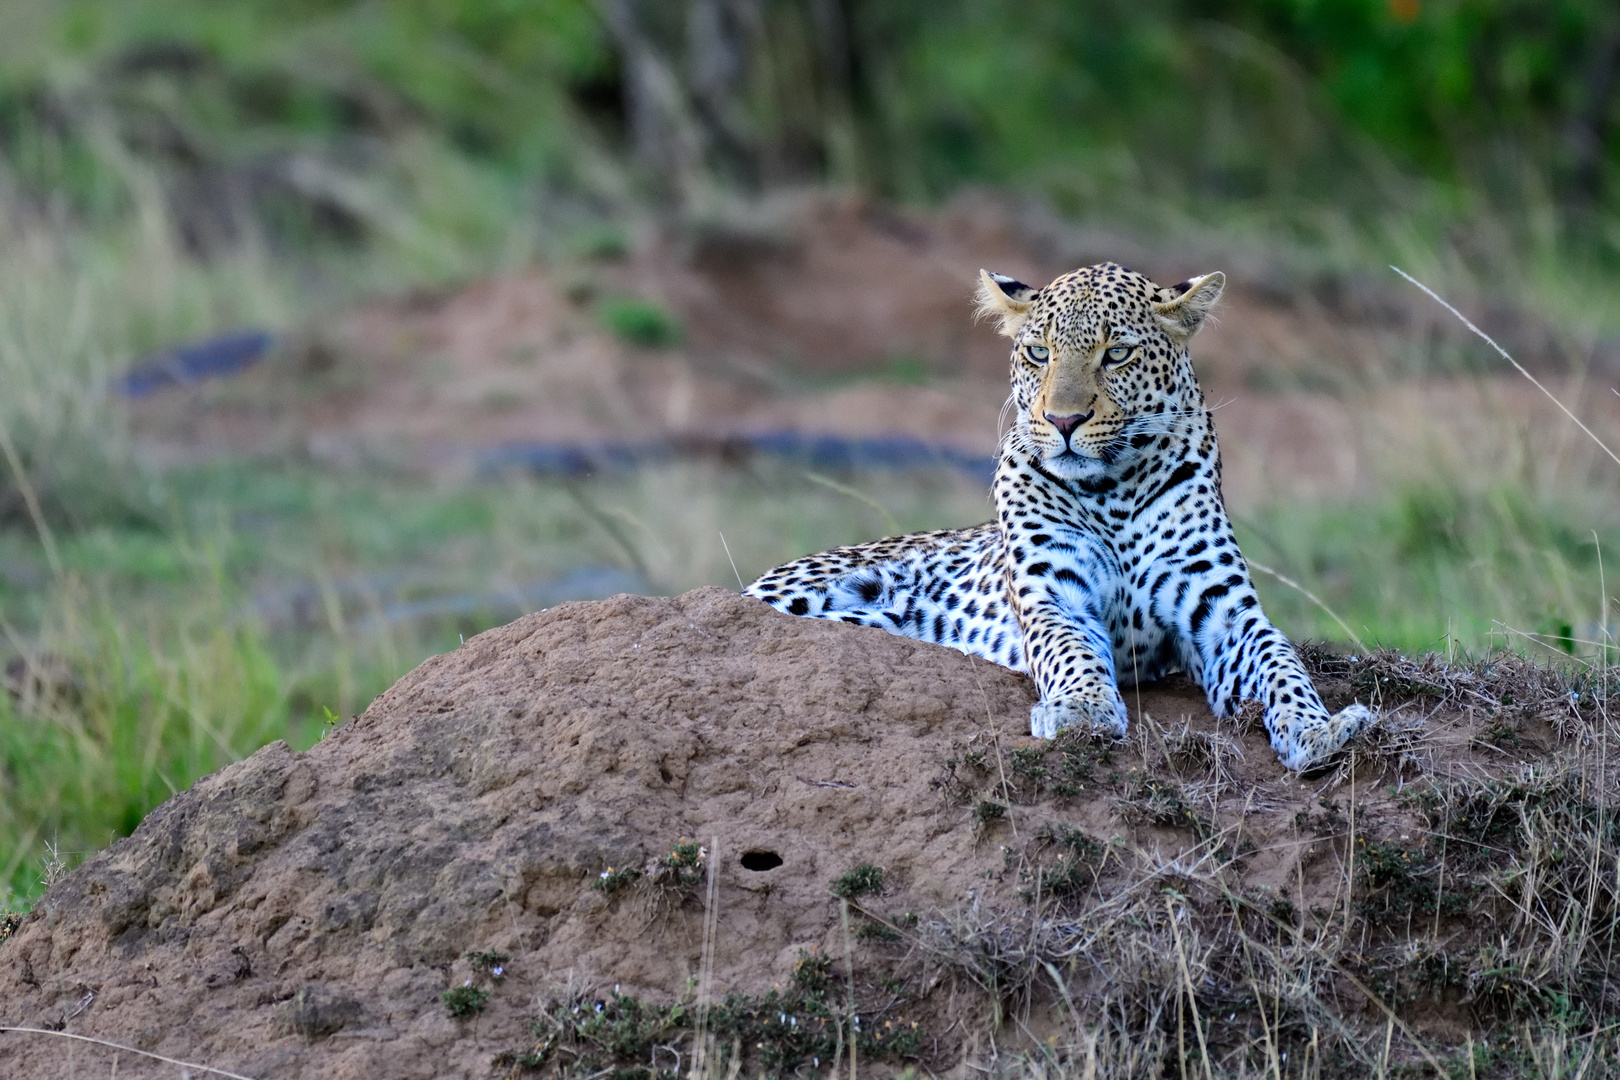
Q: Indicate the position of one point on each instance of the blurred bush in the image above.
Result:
(332, 120)
(641, 322)
(292, 124)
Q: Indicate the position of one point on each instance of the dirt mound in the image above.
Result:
(505, 863)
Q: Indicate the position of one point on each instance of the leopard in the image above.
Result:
(1111, 560)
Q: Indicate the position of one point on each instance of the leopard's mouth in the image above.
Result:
(1071, 464)
(1107, 452)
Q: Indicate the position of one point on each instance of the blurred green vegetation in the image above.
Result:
(1455, 568)
(1257, 99)
(169, 168)
(640, 322)
(401, 121)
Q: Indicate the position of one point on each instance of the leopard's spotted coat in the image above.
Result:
(1111, 558)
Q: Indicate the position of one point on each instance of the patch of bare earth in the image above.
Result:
(506, 866)
(821, 314)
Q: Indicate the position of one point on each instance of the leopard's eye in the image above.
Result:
(1117, 354)
(1038, 353)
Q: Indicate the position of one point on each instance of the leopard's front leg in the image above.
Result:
(1066, 650)
(1242, 657)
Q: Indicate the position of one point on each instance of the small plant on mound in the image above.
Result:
(874, 929)
(1399, 880)
(813, 972)
(465, 1001)
(611, 881)
(683, 868)
(1084, 759)
(987, 812)
(862, 880)
(1028, 763)
(665, 880)
(1206, 756)
(1071, 763)
(1152, 800)
(489, 962)
(678, 877)
(1076, 869)
(1502, 733)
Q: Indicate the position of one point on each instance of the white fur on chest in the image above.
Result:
(1129, 560)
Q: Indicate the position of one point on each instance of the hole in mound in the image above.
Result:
(761, 860)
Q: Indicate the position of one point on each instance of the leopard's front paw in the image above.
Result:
(1102, 712)
(1313, 746)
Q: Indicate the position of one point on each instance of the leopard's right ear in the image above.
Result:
(1189, 305)
(1007, 300)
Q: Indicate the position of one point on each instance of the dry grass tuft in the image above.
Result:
(1501, 680)
(1192, 753)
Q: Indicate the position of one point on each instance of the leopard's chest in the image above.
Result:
(1130, 553)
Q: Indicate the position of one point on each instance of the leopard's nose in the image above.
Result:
(1066, 425)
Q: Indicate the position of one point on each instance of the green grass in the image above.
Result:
(1446, 567)
(143, 707)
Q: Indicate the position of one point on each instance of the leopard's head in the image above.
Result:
(1099, 362)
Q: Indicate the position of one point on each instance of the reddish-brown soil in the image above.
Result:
(301, 914)
(821, 314)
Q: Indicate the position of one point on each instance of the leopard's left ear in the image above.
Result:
(1005, 298)
(1184, 314)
